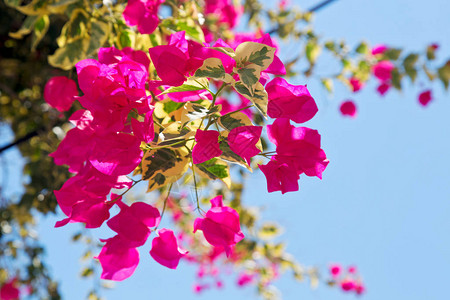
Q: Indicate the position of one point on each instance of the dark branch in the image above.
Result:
(320, 6)
(22, 139)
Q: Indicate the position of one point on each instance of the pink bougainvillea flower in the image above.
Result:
(356, 84)
(383, 70)
(347, 285)
(165, 249)
(244, 279)
(280, 176)
(348, 108)
(359, 288)
(73, 153)
(144, 131)
(379, 49)
(425, 97)
(227, 11)
(220, 225)
(289, 101)
(383, 88)
(132, 223)
(335, 270)
(9, 290)
(352, 269)
(170, 64)
(243, 140)
(143, 13)
(198, 288)
(298, 147)
(112, 55)
(93, 214)
(116, 154)
(83, 197)
(207, 146)
(60, 92)
(118, 259)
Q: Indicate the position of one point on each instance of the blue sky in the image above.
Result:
(383, 202)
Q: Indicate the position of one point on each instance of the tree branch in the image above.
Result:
(313, 9)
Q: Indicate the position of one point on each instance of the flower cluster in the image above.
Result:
(348, 280)
(160, 123)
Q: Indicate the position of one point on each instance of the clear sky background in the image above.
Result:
(383, 203)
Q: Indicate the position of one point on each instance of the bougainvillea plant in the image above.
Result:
(170, 95)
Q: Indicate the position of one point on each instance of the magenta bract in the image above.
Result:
(290, 101)
(118, 259)
(207, 146)
(220, 225)
(60, 92)
(165, 249)
(243, 139)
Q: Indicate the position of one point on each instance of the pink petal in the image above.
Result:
(118, 259)
(207, 146)
(59, 92)
(165, 249)
(348, 108)
(290, 101)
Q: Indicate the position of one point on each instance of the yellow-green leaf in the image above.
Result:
(98, 35)
(194, 111)
(255, 53)
(256, 94)
(312, 51)
(27, 27)
(236, 119)
(163, 166)
(40, 29)
(212, 68)
(214, 169)
(192, 84)
(66, 57)
(269, 230)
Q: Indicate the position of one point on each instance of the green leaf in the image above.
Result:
(40, 29)
(410, 60)
(66, 57)
(392, 54)
(268, 231)
(312, 51)
(250, 74)
(396, 79)
(192, 84)
(212, 68)
(214, 169)
(408, 65)
(236, 119)
(98, 35)
(256, 94)
(125, 39)
(255, 53)
(173, 133)
(27, 27)
(163, 166)
(328, 84)
(194, 111)
(75, 28)
(192, 30)
(362, 48)
(444, 74)
(171, 106)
